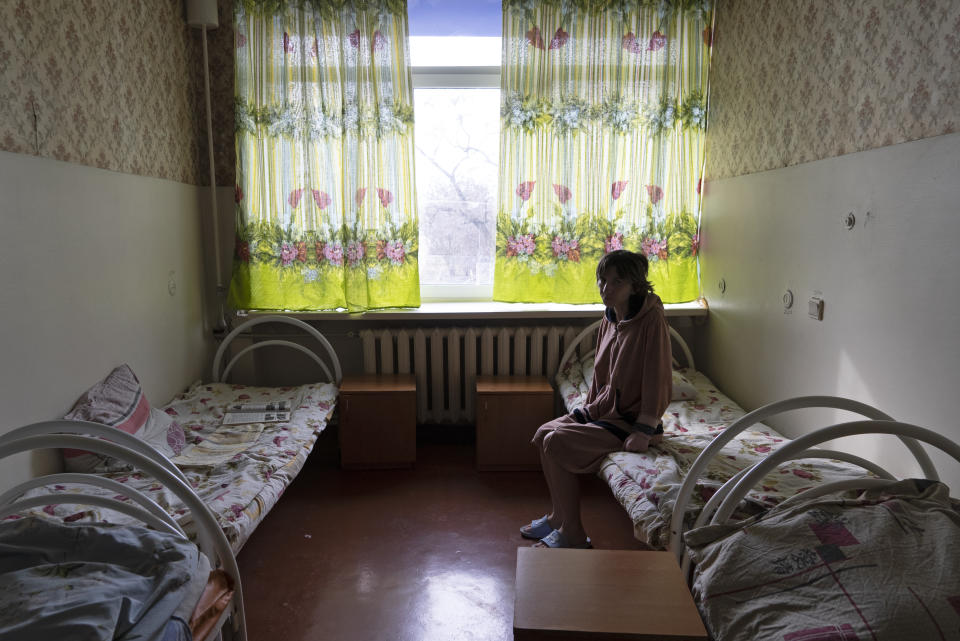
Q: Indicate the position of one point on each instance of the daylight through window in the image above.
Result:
(457, 107)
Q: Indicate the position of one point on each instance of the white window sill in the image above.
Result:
(437, 310)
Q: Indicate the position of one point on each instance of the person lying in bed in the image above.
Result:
(629, 393)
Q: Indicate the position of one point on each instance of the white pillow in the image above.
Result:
(683, 389)
(163, 433)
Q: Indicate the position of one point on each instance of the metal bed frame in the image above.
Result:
(128, 448)
(721, 506)
(109, 441)
(723, 503)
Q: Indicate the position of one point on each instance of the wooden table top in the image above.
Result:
(615, 594)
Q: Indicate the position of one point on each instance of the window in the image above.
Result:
(457, 131)
(456, 154)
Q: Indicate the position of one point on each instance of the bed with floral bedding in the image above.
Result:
(821, 569)
(646, 484)
(139, 577)
(778, 538)
(238, 470)
(867, 558)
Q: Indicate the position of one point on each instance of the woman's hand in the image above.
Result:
(640, 442)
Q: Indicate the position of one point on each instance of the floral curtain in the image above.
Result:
(325, 199)
(602, 143)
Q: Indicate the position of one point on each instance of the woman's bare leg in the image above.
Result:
(554, 518)
(565, 495)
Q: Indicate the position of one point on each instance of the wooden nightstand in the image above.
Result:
(378, 421)
(509, 411)
(603, 594)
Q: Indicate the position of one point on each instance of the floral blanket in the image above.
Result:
(241, 490)
(879, 566)
(96, 582)
(647, 484)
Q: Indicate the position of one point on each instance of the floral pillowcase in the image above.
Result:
(118, 401)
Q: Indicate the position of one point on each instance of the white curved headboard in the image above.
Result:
(878, 420)
(220, 374)
(92, 437)
(796, 448)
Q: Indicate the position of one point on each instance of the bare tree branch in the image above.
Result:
(467, 149)
(451, 175)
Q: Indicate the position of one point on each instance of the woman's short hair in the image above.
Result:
(629, 265)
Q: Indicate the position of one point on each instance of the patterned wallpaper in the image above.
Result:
(220, 51)
(118, 84)
(799, 80)
(115, 84)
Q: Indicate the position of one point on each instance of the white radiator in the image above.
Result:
(446, 361)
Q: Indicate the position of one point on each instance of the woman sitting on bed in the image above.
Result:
(629, 393)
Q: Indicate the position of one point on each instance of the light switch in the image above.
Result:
(815, 308)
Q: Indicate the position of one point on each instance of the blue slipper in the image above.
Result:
(536, 529)
(556, 540)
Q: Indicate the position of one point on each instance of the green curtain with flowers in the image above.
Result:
(602, 144)
(325, 199)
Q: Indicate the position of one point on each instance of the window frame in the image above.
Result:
(472, 77)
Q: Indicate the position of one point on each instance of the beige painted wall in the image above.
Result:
(797, 140)
(87, 257)
(889, 332)
(102, 143)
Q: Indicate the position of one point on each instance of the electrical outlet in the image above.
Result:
(815, 308)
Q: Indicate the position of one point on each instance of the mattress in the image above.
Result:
(246, 468)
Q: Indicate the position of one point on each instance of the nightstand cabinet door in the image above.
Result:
(378, 422)
(509, 411)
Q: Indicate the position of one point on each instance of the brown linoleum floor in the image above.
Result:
(421, 554)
